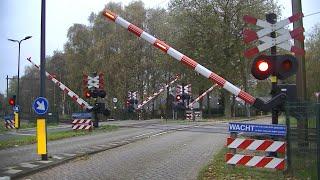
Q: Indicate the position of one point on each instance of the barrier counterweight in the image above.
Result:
(181, 57)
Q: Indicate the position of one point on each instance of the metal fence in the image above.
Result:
(303, 139)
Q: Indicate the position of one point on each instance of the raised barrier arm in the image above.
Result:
(82, 103)
(256, 102)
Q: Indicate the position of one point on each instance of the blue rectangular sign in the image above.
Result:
(274, 129)
(81, 115)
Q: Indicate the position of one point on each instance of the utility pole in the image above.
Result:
(7, 86)
(7, 94)
(301, 73)
(41, 121)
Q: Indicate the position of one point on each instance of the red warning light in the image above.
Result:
(11, 101)
(178, 97)
(87, 94)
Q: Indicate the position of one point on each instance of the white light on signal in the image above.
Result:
(263, 66)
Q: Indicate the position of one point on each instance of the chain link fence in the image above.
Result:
(303, 139)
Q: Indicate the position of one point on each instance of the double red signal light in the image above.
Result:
(282, 66)
(95, 93)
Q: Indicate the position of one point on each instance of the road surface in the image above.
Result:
(173, 155)
(167, 151)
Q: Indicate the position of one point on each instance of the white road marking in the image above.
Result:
(28, 165)
(57, 157)
(12, 171)
(5, 178)
(68, 154)
(44, 162)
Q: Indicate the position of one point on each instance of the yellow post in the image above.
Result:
(16, 120)
(41, 137)
(273, 79)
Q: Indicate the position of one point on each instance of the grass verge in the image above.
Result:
(23, 140)
(218, 169)
(24, 125)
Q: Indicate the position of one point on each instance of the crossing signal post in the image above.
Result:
(273, 35)
(94, 89)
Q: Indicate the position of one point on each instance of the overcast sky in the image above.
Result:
(20, 18)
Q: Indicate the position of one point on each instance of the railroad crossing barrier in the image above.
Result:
(85, 124)
(156, 94)
(215, 78)
(251, 149)
(9, 123)
(201, 96)
(82, 103)
(82, 121)
(197, 115)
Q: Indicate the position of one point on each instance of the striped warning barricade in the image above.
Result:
(256, 145)
(255, 161)
(197, 114)
(85, 124)
(9, 123)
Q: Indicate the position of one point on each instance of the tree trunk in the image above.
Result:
(227, 104)
(208, 105)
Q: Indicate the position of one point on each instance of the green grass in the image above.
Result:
(218, 169)
(3, 128)
(24, 125)
(23, 140)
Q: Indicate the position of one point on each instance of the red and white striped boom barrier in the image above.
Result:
(201, 96)
(260, 104)
(256, 145)
(82, 103)
(150, 98)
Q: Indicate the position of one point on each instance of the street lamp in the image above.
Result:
(19, 42)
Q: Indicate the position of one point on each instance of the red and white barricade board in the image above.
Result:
(85, 124)
(256, 145)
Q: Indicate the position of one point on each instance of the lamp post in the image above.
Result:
(19, 42)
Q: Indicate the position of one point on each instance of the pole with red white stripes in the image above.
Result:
(256, 102)
(82, 103)
(201, 96)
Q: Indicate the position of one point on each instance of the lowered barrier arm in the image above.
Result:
(201, 96)
(156, 94)
(256, 102)
(82, 103)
